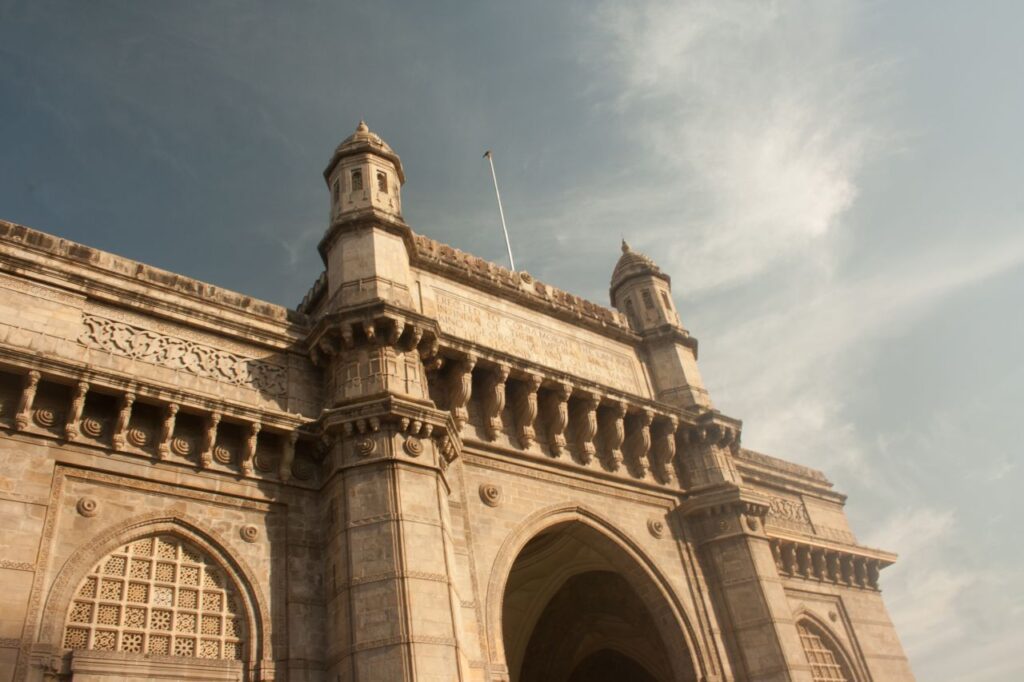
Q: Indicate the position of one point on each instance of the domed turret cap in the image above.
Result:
(633, 264)
(365, 140)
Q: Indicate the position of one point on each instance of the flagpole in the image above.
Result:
(490, 158)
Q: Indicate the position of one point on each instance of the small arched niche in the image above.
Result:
(576, 607)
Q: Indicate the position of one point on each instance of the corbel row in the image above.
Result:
(801, 560)
(595, 429)
(124, 436)
(379, 326)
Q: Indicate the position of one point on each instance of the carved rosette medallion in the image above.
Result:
(656, 527)
(413, 446)
(182, 447)
(222, 455)
(303, 469)
(264, 462)
(249, 532)
(87, 506)
(365, 447)
(490, 494)
(92, 427)
(137, 437)
(45, 417)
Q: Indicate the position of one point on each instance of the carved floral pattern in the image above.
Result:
(181, 354)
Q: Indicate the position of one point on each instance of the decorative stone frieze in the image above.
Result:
(154, 348)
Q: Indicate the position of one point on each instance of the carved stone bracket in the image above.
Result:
(460, 388)
(249, 451)
(163, 449)
(28, 397)
(665, 449)
(494, 400)
(75, 410)
(614, 431)
(124, 416)
(639, 443)
(586, 428)
(526, 410)
(558, 418)
(209, 439)
(285, 469)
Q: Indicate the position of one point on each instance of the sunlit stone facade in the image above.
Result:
(432, 469)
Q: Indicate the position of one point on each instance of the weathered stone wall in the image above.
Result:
(369, 476)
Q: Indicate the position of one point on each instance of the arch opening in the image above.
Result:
(577, 607)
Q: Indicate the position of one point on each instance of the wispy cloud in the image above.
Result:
(756, 115)
(756, 126)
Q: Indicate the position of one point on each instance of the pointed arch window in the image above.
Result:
(828, 664)
(382, 182)
(357, 180)
(648, 301)
(157, 595)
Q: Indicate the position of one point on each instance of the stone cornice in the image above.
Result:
(520, 287)
(50, 260)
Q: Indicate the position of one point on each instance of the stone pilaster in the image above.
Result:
(392, 604)
(727, 518)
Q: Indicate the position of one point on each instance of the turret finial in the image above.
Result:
(362, 127)
(625, 247)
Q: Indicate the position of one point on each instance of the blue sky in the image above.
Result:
(834, 187)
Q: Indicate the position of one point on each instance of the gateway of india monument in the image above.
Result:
(432, 469)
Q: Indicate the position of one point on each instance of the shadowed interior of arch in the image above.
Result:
(576, 608)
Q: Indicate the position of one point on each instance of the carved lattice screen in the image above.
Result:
(158, 595)
(826, 663)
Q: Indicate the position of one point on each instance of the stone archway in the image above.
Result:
(577, 605)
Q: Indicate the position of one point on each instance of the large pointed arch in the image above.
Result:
(689, 660)
(183, 527)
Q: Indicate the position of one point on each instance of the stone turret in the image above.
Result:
(364, 248)
(364, 172)
(641, 291)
